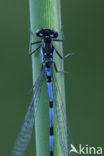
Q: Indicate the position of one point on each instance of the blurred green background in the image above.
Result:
(83, 22)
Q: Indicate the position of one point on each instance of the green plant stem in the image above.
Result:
(46, 14)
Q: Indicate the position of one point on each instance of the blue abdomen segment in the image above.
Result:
(49, 83)
(50, 91)
(51, 117)
(51, 143)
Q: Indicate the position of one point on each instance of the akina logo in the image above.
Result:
(86, 150)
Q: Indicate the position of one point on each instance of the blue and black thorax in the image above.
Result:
(47, 52)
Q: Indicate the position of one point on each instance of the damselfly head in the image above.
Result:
(47, 33)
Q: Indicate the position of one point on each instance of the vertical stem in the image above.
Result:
(45, 14)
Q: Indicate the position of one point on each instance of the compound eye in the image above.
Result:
(40, 34)
(51, 35)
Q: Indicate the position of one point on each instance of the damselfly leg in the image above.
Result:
(63, 57)
(57, 71)
(32, 43)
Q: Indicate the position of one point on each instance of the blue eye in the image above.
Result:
(52, 35)
(40, 34)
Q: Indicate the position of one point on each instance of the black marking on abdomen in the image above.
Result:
(51, 104)
(49, 79)
(51, 153)
(51, 131)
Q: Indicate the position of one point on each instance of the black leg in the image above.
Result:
(31, 43)
(36, 42)
(30, 53)
(61, 57)
(61, 72)
(58, 40)
(55, 67)
(58, 54)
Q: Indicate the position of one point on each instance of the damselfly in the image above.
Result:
(48, 62)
